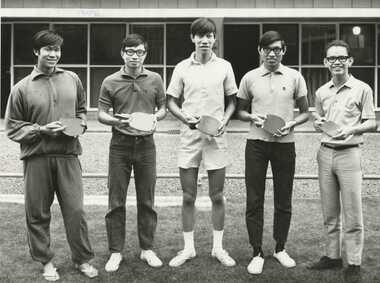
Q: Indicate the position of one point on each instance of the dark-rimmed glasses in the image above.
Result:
(341, 59)
(131, 52)
(276, 50)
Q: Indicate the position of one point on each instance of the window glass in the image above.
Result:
(154, 35)
(366, 75)
(314, 39)
(105, 43)
(5, 66)
(21, 72)
(315, 78)
(97, 76)
(82, 74)
(378, 44)
(178, 43)
(240, 48)
(169, 73)
(361, 38)
(289, 33)
(74, 49)
(23, 45)
(378, 87)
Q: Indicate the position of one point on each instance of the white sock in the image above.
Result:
(188, 238)
(217, 239)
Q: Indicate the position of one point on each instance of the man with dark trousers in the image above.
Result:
(51, 164)
(275, 89)
(130, 90)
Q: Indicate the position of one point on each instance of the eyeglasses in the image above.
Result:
(276, 50)
(131, 52)
(341, 59)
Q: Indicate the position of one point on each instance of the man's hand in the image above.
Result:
(258, 119)
(344, 133)
(221, 129)
(318, 122)
(123, 119)
(191, 121)
(285, 130)
(52, 129)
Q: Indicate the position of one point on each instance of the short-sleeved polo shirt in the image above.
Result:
(272, 93)
(203, 86)
(127, 94)
(346, 105)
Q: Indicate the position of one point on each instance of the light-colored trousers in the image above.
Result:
(340, 181)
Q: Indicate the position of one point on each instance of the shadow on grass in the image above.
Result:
(304, 245)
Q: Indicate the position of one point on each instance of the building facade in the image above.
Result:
(94, 29)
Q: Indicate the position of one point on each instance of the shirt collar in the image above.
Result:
(193, 61)
(36, 73)
(264, 71)
(143, 73)
(349, 83)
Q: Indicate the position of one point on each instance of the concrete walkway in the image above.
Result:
(202, 202)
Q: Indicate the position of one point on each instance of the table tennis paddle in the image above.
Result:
(209, 125)
(273, 123)
(73, 126)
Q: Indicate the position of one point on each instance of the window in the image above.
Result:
(154, 35)
(314, 77)
(314, 40)
(23, 45)
(74, 49)
(361, 38)
(97, 76)
(178, 43)
(240, 48)
(105, 43)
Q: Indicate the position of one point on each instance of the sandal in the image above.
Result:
(51, 275)
(87, 269)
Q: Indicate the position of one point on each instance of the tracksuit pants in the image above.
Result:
(45, 176)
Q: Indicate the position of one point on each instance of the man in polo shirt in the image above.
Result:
(35, 106)
(348, 102)
(130, 90)
(203, 81)
(271, 88)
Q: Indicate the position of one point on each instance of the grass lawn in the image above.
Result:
(305, 244)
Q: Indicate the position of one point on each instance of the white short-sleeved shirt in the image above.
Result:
(346, 105)
(203, 86)
(272, 93)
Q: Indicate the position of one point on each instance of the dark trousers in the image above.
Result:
(45, 176)
(139, 153)
(282, 159)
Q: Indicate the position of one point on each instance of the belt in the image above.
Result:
(339, 147)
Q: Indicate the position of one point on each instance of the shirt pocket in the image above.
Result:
(351, 109)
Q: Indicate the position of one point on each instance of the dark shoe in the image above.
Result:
(352, 274)
(326, 263)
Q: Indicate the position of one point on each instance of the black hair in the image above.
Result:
(338, 42)
(269, 37)
(46, 37)
(202, 26)
(133, 40)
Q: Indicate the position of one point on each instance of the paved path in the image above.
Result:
(202, 202)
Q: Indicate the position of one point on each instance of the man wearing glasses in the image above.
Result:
(348, 102)
(271, 88)
(130, 90)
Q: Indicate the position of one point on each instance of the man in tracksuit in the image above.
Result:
(51, 163)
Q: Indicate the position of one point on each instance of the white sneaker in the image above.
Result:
(87, 270)
(256, 265)
(151, 258)
(182, 257)
(223, 257)
(284, 259)
(113, 263)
